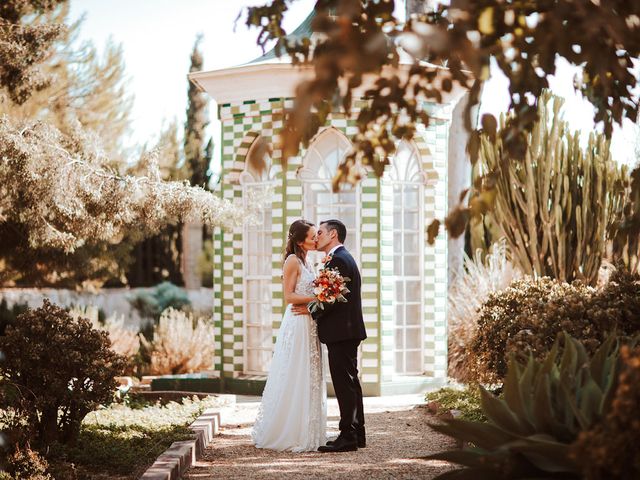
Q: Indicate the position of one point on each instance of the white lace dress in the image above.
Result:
(293, 412)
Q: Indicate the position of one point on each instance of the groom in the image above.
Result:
(341, 328)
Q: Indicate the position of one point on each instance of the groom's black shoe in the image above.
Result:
(362, 439)
(341, 444)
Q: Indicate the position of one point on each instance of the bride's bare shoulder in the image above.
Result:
(291, 263)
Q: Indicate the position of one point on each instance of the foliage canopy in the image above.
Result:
(356, 46)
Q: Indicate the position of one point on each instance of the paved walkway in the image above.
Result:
(397, 434)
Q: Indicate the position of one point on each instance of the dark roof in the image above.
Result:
(303, 30)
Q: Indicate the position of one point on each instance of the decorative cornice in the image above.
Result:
(279, 79)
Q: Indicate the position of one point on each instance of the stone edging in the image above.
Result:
(175, 460)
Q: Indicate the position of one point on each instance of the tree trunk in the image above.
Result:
(48, 427)
(191, 251)
(458, 178)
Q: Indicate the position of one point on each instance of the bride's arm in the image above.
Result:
(290, 273)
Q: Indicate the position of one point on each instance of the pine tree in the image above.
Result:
(67, 216)
(195, 125)
(158, 258)
(198, 158)
(25, 46)
(87, 89)
(90, 91)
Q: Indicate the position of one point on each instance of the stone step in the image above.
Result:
(172, 395)
(175, 460)
(147, 379)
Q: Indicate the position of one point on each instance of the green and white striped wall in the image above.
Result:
(241, 124)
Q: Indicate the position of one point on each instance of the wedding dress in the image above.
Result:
(293, 412)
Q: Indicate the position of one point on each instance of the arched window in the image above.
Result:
(256, 180)
(319, 202)
(407, 180)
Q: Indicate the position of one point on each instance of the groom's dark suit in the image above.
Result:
(341, 328)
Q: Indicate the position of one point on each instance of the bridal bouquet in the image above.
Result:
(329, 287)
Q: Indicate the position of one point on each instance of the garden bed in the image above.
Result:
(461, 403)
(122, 441)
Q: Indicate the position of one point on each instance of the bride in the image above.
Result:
(293, 412)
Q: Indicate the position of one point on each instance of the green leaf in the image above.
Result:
(590, 401)
(468, 458)
(469, 474)
(611, 382)
(546, 453)
(573, 407)
(483, 435)
(582, 356)
(527, 379)
(550, 359)
(569, 361)
(542, 408)
(600, 365)
(513, 394)
(500, 414)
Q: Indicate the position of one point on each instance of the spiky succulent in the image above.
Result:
(545, 404)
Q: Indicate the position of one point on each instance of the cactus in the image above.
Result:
(545, 405)
(556, 206)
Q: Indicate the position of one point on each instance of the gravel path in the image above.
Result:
(397, 433)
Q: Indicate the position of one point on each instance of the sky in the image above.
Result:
(157, 37)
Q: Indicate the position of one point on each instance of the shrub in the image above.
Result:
(63, 368)
(152, 303)
(124, 340)
(469, 290)
(96, 315)
(610, 449)
(545, 405)
(26, 464)
(503, 315)
(181, 344)
(466, 401)
(526, 317)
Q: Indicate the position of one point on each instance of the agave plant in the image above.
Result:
(545, 405)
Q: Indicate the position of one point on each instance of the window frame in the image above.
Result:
(308, 176)
(248, 181)
(412, 178)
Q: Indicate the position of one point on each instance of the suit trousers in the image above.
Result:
(343, 365)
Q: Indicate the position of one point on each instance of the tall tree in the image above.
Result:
(161, 257)
(198, 159)
(58, 192)
(158, 258)
(25, 46)
(84, 90)
(195, 125)
(88, 89)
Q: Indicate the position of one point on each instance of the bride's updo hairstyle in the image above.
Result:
(297, 234)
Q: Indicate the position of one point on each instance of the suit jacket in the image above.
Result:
(342, 321)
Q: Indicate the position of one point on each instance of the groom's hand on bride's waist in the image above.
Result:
(299, 309)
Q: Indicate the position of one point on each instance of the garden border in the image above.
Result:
(175, 460)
